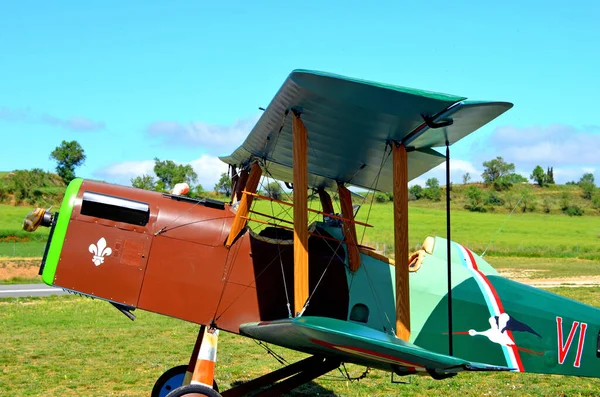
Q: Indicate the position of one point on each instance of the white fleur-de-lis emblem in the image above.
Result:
(100, 250)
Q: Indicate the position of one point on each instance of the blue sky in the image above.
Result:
(119, 76)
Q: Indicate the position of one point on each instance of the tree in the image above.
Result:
(169, 174)
(416, 191)
(550, 176)
(466, 178)
(432, 191)
(495, 169)
(588, 177)
(145, 182)
(528, 202)
(274, 190)
(539, 176)
(223, 186)
(587, 184)
(68, 155)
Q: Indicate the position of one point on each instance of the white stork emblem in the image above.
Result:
(499, 325)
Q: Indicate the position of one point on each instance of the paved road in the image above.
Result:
(21, 290)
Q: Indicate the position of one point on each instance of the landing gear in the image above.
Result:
(171, 380)
(194, 391)
(191, 380)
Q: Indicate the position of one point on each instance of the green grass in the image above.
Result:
(23, 250)
(72, 346)
(22, 280)
(11, 221)
(524, 235)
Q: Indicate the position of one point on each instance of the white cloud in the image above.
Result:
(554, 145)
(458, 168)
(208, 168)
(569, 150)
(123, 172)
(26, 115)
(211, 137)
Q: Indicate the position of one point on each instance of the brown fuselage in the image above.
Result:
(177, 264)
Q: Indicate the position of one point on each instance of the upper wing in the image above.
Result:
(358, 344)
(349, 122)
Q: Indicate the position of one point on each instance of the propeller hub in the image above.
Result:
(36, 218)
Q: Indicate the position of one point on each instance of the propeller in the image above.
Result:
(36, 218)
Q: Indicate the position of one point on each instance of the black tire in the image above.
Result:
(171, 380)
(189, 390)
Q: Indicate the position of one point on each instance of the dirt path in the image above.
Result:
(528, 276)
(28, 268)
(19, 267)
(587, 281)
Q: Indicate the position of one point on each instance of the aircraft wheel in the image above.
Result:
(194, 391)
(171, 380)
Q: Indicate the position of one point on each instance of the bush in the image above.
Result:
(548, 204)
(3, 193)
(494, 199)
(381, 197)
(475, 197)
(574, 210)
(588, 189)
(433, 191)
(34, 187)
(416, 191)
(596, 203)
(565, 201)
(528, 203)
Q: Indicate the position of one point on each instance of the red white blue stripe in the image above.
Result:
(494, 304)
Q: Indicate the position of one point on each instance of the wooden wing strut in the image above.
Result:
(246, 201)
(326, 203)
(400, 172)
(239, 186)
(300, 158)
(349, 227)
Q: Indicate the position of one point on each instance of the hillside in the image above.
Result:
(31, 188)
(39, 188)
(530, 198)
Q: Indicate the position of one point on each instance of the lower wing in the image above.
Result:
(359, 344)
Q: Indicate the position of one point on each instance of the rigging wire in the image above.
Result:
(166, 227)
(271, 352)
(287, 297)
(384, 160)
(506, 220)
(345, 374)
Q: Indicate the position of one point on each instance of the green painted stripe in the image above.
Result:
(60, 231)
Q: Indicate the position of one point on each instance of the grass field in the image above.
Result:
(523, 235)
(22, 249)
(72, 346)
(11, 217)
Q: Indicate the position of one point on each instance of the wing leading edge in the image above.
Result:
(358, 344)
(349, 122)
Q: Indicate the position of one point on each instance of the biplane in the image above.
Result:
(306, 282)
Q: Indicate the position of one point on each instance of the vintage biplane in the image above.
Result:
(312, 286)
